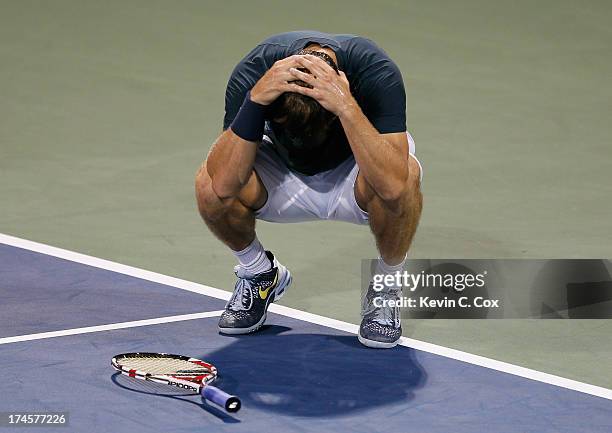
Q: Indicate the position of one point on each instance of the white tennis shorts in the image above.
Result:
(294, 197)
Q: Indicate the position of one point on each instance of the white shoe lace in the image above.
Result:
(242, 299)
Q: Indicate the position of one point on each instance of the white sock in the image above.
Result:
(253, 258)
(386, 269)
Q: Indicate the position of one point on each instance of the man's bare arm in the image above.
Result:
(230, 161)
(382, 158)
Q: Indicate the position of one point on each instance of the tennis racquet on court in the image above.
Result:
(176, 370)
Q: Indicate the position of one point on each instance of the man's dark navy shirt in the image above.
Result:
(375, 80)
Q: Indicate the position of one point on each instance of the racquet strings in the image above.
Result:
(160, 365)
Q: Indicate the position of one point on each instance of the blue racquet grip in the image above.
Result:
(231, 403)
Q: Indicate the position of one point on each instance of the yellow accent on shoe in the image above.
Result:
(263, 294)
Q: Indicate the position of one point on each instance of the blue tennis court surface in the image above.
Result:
(292, 376)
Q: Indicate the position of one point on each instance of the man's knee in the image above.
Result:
(210, 205)
(407, 196)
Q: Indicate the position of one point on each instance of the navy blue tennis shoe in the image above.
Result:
(247, 308)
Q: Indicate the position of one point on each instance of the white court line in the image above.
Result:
(309, 317)
(109, 327)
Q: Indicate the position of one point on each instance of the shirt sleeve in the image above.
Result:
(379, 87)
(246, 74)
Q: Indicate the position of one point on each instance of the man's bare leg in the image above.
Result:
(393, 224)
(261, 278)
(232, 220)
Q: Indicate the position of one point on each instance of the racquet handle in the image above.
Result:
(231, 403)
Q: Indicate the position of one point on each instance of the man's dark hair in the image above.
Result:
(300, 115)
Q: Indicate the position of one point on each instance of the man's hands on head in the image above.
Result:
(276, 81)
(330, 89)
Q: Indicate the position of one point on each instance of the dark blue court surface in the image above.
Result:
(292, 376)
(42, 293)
